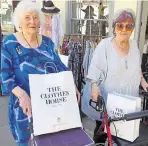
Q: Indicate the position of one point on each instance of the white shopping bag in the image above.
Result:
(117, 106)
(54, 102)
(64, 59)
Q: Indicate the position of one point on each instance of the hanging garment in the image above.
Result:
(57, 29)
(90, 46)
(64, 47)
(53, 29)
(46, 29)
(75, 62)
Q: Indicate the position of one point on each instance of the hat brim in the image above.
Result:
(56, 10)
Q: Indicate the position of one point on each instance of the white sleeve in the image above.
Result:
(98, 67)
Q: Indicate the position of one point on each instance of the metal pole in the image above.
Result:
(110, 19)
(138, 21)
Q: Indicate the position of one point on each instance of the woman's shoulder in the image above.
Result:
(133, 42)
(47, 40)
(48, 43)
(134, 46)
(9, 40)
(104, 42)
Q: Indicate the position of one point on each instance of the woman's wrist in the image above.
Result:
(19, 92)
(142, 78)
(94, 83)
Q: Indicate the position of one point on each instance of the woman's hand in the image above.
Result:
(78, 95)
(25, 104)
(95, 91)
(24, 100)
(144, 84)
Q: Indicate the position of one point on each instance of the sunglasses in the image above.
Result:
(120, 26)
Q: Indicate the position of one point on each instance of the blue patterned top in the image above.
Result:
(17, 62)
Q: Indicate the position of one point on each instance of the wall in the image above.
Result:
(120, 4)
(39, 2)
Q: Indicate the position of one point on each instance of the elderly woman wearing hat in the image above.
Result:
(116, 63)
(52, 26)
(25, 52)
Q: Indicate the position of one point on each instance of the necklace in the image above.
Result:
(126, 63)
(28, 42)
(125, 58)
(117, 44)
(31, 48)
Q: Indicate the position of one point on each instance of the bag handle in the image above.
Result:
(46, 65)
(98, 105)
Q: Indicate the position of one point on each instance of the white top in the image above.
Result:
(106, 63)
(57, 29)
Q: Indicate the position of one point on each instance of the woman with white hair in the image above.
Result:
(25, 52)
(116, 63)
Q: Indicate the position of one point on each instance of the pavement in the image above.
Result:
(6, 138)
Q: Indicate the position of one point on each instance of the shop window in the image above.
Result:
(6, 9)
(89, 17)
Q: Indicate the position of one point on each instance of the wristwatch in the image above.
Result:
(96, 83)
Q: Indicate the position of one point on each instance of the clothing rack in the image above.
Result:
(76, 54)
(83, 37)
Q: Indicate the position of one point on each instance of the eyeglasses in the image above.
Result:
(120, 26)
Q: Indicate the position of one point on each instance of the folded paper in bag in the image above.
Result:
(54, 102)
(117, 106)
